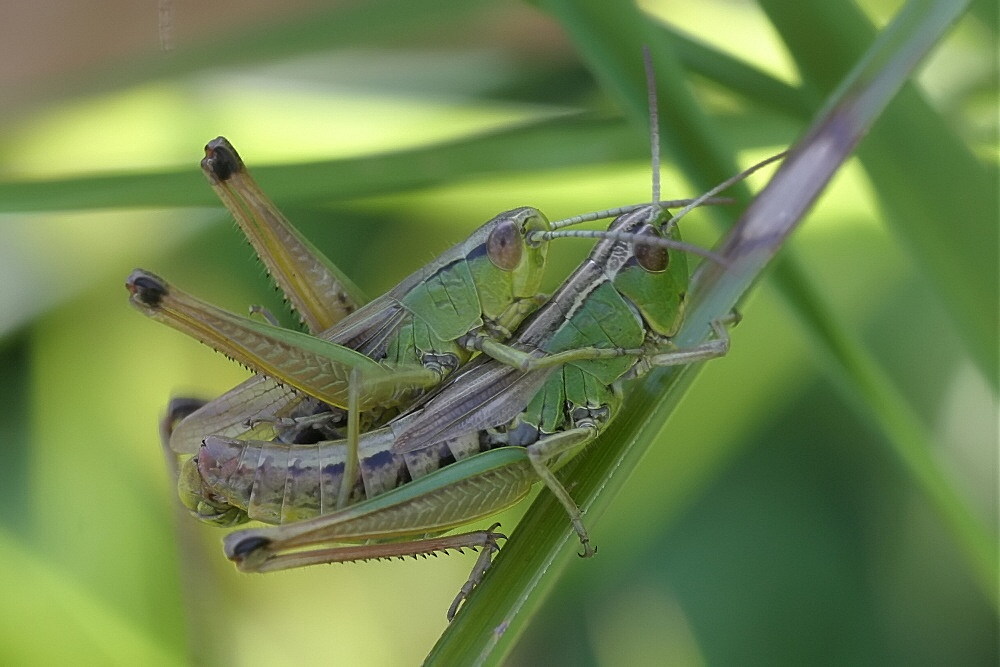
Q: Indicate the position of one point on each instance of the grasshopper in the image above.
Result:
(379, 356)
(486, 284)
(479, 442)
(494, 426)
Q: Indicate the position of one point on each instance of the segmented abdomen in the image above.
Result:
(279, 483)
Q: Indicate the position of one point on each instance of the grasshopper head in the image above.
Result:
(526, 273)
(507, 267)
(654, 278)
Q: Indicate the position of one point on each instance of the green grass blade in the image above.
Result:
(738, 76)
(545, 144)
(872, 391)
(487, 628)
(898, 50)
(610, 36)
(900, 47)
(940, 201)
(349, 25)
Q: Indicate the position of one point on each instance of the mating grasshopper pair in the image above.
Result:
(337, 438)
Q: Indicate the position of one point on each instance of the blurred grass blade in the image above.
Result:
(544, 144)
(885, 66)
(486, 629)
(610, 36)
(738, 76)
(899, 49)
(939, 200)
(346, 25)
(871, 391)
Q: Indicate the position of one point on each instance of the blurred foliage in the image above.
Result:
(772, 524)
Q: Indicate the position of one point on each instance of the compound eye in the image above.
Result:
(653, 258)
(504, 247)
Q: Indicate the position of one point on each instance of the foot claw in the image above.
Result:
(479, 569)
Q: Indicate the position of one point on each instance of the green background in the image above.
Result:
(772, 523)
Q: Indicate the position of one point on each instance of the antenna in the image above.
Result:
(615, 212)
(688, 204)
(654, 122)
(722, 186)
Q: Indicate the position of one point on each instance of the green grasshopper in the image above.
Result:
(381, 355)
(486, 284)
(479, 442)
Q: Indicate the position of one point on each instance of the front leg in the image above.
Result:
(552, 447)
(665, 354)
(662, 353)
